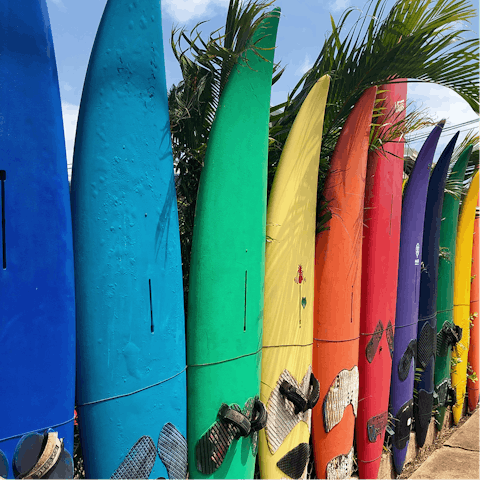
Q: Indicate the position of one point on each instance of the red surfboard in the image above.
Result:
(380, 249)
(473, 356)
(338, 262)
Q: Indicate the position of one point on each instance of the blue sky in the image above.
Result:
(302, 29)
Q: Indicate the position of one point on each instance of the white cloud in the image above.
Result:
(70, 115)
(340, 5)
(185, 10)
(305, 66)
(442, 103)
(60, 5)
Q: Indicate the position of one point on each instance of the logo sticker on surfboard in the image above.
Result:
(399, 106)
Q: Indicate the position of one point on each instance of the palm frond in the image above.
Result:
(205, 63)
(394, 130)
(470, 139)
(458, 188)
(416, 39)
(472, 166)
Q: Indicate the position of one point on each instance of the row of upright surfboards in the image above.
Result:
(300, 332)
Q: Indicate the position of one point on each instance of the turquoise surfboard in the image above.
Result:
(131, 372)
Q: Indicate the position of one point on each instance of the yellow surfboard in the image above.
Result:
(287, 388)
(461, 295)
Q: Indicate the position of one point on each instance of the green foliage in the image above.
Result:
(472, 165)
(454, 361)
(455, 188)
(471, 374)
(470, 139)
(418, 374)
(205, 66)
(391, 129)
(78, 467)
(416, 39)
(445, 253)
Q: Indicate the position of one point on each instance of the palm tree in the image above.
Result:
(416, 39)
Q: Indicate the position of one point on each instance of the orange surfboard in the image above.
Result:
(473, 357)
(338, 262)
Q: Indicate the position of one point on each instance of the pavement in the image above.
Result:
(458, 457)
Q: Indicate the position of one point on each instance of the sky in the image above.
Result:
(302, 30)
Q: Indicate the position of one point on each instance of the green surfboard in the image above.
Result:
(446, 268)
(225, 312)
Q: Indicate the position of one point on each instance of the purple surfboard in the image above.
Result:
(408, 291)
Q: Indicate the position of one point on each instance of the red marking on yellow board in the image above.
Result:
(300, 278)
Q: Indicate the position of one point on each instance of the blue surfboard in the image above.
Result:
(37, 304)
(130, 314)
(427, 307)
